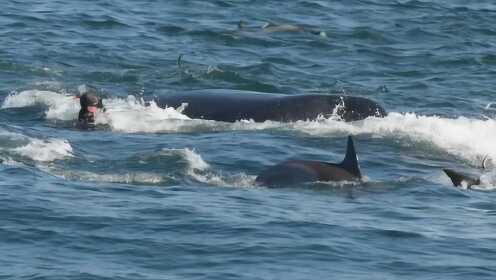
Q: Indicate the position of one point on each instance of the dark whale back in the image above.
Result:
(222, 105)
(299, 171)
(359, 108)
(234, 105)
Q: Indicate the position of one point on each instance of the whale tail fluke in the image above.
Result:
(459, 179)
(350, 161)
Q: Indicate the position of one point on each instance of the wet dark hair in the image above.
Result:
(89, 99)
(85, 117)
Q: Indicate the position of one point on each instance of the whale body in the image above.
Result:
(281, 28)
(300, 171)
(234, 105)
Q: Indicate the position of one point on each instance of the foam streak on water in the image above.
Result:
(467, 138)
(45, 150)
(41, 150)
(60, 106)
(201, 171)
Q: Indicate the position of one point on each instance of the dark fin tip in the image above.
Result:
(458, 178)
(350, 161)
(454, 177)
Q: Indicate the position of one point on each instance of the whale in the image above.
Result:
(281, 28)
(293, 172)
(234, 105)
(460, 179)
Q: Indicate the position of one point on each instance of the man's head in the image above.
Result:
(89, 106)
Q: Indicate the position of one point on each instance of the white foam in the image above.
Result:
(196, 168)
(196, 164)
(126, 178)
(470, 139)
(195, 160)
(127, 115)
(30, 98)
(201, 171)
(233, 180)
(488, 181)
(45, 150)
(60, 106)
(133, 115)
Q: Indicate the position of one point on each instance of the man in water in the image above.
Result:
(90, 103)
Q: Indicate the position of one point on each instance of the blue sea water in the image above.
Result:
(152, 194)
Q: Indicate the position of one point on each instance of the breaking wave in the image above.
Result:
(60, 106)
(467, 138)
(202, 172)
(470, 139)
(194, 167)
(42, 150)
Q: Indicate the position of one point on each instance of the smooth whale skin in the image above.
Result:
(460, 179)
(234, 105)
(300, 171)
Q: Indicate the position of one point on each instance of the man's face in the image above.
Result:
(89, 107)
(91, 113)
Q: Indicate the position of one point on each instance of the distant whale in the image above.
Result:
(300, 171)
(234, 105)
(281, 28)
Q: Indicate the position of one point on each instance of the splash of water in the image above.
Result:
(469, 139)
(45, 150)
(60, 106)
(42, 150)
(201, 171)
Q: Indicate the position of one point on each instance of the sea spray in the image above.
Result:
(60, 106)
(45, 150)
(201, 171)
(468, 138)
(15, 145)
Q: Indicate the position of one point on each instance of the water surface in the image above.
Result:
(152, 194)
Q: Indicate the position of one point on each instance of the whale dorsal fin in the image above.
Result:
(458, 178)
(350, 161)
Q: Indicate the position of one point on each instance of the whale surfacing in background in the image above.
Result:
(270, 27)
(235, 105)
(300, 171)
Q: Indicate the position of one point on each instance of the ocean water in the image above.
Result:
(152, 194)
